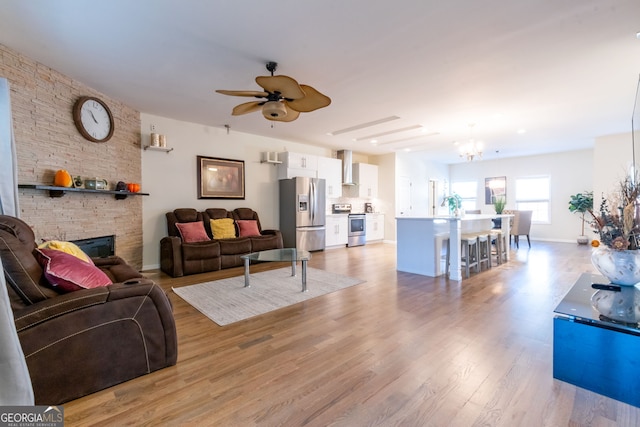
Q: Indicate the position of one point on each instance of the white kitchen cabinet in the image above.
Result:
(336, 232)
(366, 176)
(330, 170)
(297, 164)
(375, 227)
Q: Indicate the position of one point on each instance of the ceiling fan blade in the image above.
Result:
(255, 93)
(247, 107)
(291, 115)
(288, 87)
(312, 100)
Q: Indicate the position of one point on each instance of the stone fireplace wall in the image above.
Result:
(42, 101)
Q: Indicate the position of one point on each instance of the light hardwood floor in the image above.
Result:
(397, 350)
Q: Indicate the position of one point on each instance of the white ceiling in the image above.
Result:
(564, 70)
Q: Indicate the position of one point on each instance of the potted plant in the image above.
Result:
(499, 203)
(455, 203)
(582, 203)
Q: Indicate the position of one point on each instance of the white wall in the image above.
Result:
(419, 170)
(612, 156)
(171, 178)
(569, 172)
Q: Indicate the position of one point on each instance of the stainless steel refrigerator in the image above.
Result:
(302, 213)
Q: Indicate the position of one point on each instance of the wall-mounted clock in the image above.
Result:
(93, 119)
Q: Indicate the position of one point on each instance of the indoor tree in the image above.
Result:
(582, 203)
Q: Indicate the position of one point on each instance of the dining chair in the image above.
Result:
(521, 226)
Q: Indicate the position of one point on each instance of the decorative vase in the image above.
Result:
(623, 306)
(620, 267)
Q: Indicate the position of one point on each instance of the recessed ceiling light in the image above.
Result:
(374, 141)
(521, 131)
(638, 35)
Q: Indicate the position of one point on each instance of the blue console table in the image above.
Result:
(599, 350)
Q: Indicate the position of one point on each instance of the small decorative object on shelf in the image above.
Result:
(63, 179)
(270, 157)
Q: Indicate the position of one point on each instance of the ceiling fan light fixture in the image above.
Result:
(274, 110)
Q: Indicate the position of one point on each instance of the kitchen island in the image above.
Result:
(419, 241)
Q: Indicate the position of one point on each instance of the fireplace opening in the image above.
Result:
(98, 247)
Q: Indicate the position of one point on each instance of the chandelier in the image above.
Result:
(472, 149)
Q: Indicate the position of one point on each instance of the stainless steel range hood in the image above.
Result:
(347, 169)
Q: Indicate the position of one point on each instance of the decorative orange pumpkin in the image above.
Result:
(63, 179)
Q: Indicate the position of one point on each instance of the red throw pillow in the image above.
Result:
(248, 227)
(68, 273)
(192, 232)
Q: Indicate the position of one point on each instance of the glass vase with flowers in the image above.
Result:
(616, 254)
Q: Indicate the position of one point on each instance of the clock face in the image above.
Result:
(93, 119)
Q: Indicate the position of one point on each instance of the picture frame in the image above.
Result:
(495, 187)
(220, 178)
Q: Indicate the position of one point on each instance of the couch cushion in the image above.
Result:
(68, 273)
(68, 247)
(237, 246)
(248, 227)
(223, 228)
(192, 232)
(265, 242)
(22, 271)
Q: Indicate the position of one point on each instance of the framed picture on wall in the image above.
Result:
(220, 178)
(493, 188)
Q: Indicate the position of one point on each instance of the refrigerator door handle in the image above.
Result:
(312, 190)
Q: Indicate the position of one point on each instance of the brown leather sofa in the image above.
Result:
(178, 258)
(84, 341)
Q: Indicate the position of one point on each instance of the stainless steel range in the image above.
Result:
(357, 224)
(357, 230)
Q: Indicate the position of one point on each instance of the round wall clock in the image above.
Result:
(93, 119)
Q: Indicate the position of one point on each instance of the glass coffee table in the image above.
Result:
(278, 255)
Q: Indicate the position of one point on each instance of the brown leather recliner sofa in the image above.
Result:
(179, 258)
(80, 342)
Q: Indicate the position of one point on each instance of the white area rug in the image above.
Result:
(227, 301)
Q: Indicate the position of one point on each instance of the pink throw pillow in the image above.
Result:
(68, 273)
(192, 232)
(248, 227)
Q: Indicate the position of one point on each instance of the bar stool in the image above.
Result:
(469, 256)
(501, 245)
(441, 242)
(484, 249)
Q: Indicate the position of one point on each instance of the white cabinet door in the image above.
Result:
(297, 164)
(336, 230)
(366, 176)
(375, 227)
(331, 170)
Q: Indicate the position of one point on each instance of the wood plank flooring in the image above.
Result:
(397, 350)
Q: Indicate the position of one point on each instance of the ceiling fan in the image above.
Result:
(284, 98)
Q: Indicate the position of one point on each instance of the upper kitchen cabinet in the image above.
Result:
(296, 164)
(366, 176)
(331, 171)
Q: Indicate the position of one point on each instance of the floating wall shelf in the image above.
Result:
(154, 148)
(55, 191)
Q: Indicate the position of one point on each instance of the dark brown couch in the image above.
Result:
(84, 341)
(178, 258)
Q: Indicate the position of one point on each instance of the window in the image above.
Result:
(468, 192)
(532, 194)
